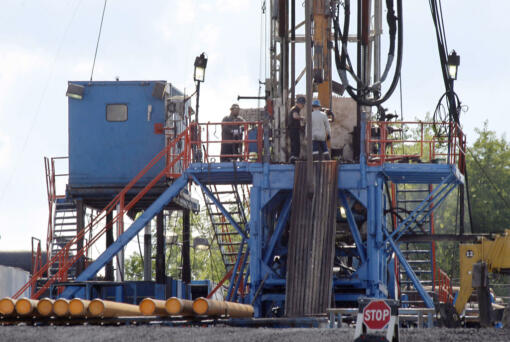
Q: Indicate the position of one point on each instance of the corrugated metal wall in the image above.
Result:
(11, 280)
(311, 241)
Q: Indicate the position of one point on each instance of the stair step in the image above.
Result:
(412, 190)
(419, 261)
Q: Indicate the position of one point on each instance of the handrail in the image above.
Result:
(386, 142)
(63, 255)
(51, 192)
(444, 287)
(250, 142)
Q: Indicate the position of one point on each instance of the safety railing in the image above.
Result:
(443, 286)
(51, 190)
(408, 141)
(64, 259)
(242, 142)
(36, 258)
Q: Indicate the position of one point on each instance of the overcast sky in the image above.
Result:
(44, 43)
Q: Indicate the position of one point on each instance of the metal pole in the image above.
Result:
(109, 240)
(80, 226)
(309, 95)
(199, 144)
(293, 51)
(147, 253)
(186, 236)
(160, 249)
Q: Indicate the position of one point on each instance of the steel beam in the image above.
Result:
(130, 233)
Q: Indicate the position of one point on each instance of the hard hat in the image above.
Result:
(316, 103)
(234, 106)
(301, 100)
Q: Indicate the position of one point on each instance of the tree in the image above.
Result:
(205, 264)
(488, 165)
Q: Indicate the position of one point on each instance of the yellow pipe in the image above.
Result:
(45, 306)
(152, 307)
(7, 306)
(210, 307)
(179, 307)
(26, 306)
(61, 307)
(78, 307)
(105, 308)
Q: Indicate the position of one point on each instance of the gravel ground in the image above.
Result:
(212, 334)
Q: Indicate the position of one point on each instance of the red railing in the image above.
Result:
(248, 147)
(51, 190)
(444, 287)
(401, 141)
(36, 258)
(65, 260)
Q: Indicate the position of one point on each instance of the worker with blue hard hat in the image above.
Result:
(321, 132)
(294, 124)
(231, 151)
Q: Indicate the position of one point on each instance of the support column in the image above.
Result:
(108, 269)
(147, 253)
(186, 236)
(80, 225)
(160, 250)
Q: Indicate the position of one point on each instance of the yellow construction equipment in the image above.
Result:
(45, 307)
(7, 306)
(492, 255)
(108, 309)
(179, 307)
(152, 307)
(78, 307)
(61, 307)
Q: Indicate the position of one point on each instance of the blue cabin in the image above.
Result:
(115, 129)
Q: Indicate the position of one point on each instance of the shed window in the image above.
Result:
(116, 112)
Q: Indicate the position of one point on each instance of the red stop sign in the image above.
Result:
(376, 315)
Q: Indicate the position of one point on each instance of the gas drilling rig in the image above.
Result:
(295, 238)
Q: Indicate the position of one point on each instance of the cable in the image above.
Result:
(98, 38)
(343, 59)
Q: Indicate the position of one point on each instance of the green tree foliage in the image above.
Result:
(488, 164)
(205, 264)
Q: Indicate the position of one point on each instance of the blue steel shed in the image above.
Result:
(112, 132)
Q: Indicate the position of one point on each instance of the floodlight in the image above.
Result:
(75, 91)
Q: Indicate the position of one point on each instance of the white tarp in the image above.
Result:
(11, 280)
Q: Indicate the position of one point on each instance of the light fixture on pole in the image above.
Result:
(453, 65)
(199, 76)
(201, 243)
(200, 65)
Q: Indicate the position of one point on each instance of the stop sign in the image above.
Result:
(376, 315)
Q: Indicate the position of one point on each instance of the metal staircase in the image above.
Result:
(63, 233)
(227, 237)
(419, 255)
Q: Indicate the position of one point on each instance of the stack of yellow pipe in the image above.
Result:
(45, 307)
(179, 307)
(26, 306)
(107, 309)
(7, 306)
(61, 307)
(209, 307)
(79, 307)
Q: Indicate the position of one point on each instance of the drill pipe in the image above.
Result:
(179, 307)
(78, 307)
(210, 307)
(26, 306)
(61, 307)
(7, 306)
(105, 308)
(45, 307)
(152, 307)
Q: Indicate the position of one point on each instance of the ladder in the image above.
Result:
(227, 237)
(419, 255)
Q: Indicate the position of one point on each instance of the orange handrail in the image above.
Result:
(386, 142)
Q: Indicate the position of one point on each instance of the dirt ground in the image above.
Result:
(212, 334)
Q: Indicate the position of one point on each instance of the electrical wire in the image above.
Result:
(98, 38)
(343, 63)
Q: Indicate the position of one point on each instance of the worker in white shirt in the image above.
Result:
(321, 132)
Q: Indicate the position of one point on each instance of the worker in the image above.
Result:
(321, 132)
(231, 151)
(295, 123)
